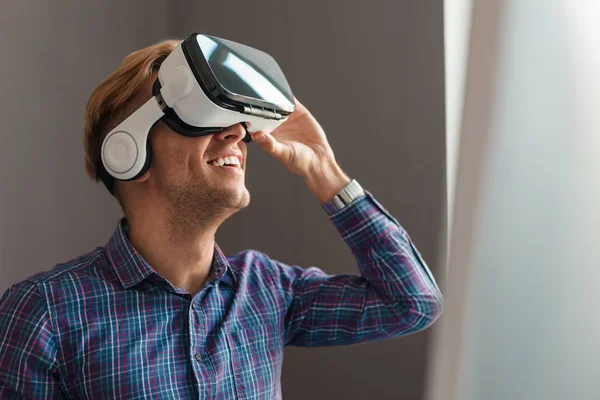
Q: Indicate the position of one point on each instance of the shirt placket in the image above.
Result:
(202, 366)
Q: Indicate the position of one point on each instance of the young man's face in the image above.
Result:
(183, 173)
(186, 170)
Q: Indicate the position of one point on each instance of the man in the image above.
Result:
(161, 312)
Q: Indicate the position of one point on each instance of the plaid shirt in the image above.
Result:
(107, 326)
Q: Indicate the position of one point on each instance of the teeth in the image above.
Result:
(226, 160)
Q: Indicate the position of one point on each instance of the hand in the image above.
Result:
(300, 144)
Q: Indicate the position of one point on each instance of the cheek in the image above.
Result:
(169, 164)
(177, 155)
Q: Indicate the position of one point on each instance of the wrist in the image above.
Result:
(327, 181)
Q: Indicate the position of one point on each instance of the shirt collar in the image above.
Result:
(131, 268)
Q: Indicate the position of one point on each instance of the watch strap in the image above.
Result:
(344, 197)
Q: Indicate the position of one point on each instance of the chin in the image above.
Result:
(234, 198)
(243, 199)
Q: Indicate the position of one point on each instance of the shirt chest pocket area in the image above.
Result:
(256, 359)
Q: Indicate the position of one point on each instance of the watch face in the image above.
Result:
(243, 72)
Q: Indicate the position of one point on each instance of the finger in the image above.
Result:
(268, 143)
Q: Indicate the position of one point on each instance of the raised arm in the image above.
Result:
(394, 295)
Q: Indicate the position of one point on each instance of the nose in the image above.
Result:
(234, 133)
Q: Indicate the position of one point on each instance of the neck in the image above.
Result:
(177, 249)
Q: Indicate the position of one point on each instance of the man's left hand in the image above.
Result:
(300, 144)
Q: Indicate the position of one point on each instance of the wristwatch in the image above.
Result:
(344, 197)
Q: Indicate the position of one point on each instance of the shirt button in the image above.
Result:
(198, 357)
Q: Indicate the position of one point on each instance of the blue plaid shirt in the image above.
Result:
(107, 326)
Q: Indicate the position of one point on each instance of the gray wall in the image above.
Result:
(383, 58)
(53, 55)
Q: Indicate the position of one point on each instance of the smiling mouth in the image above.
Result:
(225, 166)
(234, 167)
(231, 162)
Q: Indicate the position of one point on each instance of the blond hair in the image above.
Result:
(110, 101)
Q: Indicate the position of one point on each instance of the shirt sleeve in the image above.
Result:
(28, 363)
(394, 295)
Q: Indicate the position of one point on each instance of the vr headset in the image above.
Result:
(204, 86)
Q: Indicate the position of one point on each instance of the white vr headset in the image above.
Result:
(204, 86)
